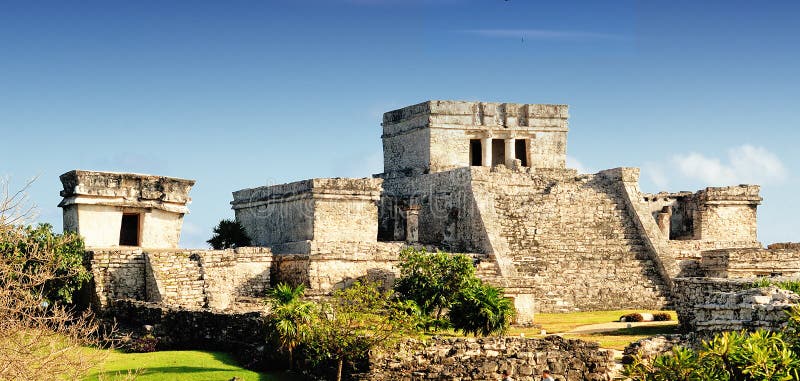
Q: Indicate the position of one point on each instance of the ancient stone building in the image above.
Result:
(124, 209)
(485, 179)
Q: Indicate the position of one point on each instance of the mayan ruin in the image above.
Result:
(485, 179)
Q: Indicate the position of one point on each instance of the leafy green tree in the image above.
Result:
(433, 280)
(354, 321)
(228, 234)
(38, 250)
(290, 316)
(481, 309)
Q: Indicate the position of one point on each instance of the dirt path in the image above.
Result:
(608, 327)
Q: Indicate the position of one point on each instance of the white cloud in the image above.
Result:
(574, 163)
(543, 34)
(657, 174)
(745, 164)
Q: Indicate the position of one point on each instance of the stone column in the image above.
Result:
(663, 220)
(412, 223)
(486, 147)
(510, 152)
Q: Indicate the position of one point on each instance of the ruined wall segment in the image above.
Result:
(317, 209)
(124, 209)
(436, 136)
(728, 213)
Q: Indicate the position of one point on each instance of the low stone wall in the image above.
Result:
(242, 333)
(485, 359)
(709, 305)
(749, 263)
(180, 278)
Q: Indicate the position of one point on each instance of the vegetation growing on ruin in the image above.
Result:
(735, 356)
(790, 285)
(229, 234)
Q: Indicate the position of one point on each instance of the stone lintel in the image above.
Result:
(476, 115)
(737, 194)
(125, 190)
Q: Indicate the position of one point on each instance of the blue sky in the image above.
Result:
(238, 94)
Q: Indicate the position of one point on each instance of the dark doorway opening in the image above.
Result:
(498, 152)
(521, 151)
(129, 231)
(475, 152)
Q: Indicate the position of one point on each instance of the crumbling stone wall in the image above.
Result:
(485, 359)
(186, 278)
(709, 305)
(751, 262)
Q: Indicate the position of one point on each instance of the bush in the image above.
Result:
(228, 234)
(662, 316)
(632, 318)
(143, 344)
(481, 309)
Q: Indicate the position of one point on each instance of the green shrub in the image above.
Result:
(481, 309)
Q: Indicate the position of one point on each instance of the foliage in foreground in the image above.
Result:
(439, 282)
(40, 337)
(228, 234)
(356, 320)
(734, 356)
(290, 317)
(790, 285)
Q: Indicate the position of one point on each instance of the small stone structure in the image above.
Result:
(124, 209)
(485, 179)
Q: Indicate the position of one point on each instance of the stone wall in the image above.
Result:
(316, 209)
(751, 262)
(116, 274)
(708, 305)
(242, 333)
(185, 278)
(485, 359)
(333, 265)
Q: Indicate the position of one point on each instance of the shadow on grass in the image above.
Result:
(645, 330)
(165, 369)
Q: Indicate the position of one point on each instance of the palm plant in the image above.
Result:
(290, 316)
(481, 309)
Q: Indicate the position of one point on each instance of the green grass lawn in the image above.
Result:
(563, 322)
(179, 365)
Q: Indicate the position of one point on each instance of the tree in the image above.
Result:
(228, 234)
(33, 250)
(432, 280)
(40, 336)
(354, 321)
(481, 309)
(290, 316)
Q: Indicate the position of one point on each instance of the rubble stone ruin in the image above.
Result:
(485, 179)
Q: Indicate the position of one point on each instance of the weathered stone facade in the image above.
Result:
(124, 209)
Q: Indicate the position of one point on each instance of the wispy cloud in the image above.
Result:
(574, 163)
(544, 34)
(745, 164)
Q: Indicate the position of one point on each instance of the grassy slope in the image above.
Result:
(179, 365)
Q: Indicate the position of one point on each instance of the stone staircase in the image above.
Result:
(578, 239)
